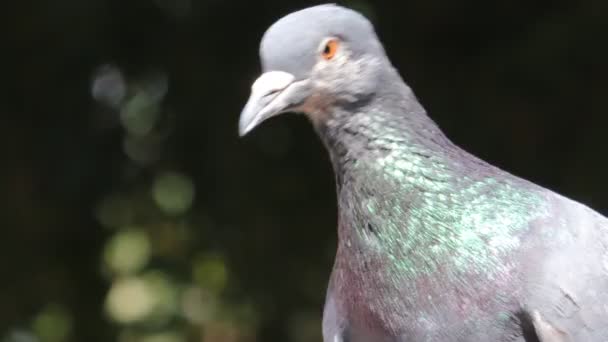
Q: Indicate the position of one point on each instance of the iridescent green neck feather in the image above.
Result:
(409, 196)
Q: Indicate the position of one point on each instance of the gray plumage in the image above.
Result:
(434, 244)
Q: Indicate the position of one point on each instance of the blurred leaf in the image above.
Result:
(152, 298)
(128, 251)
(210, 273)
(130, 300)
(140, 114)
(173, 192)
(165, 292)
(53, 324)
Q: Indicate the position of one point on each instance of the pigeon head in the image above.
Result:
(313, 60)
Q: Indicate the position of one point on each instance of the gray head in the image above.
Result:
(312, 60)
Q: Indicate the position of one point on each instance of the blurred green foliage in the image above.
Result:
(131, 211)
(52, 324)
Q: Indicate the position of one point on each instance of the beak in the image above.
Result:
(273, 93)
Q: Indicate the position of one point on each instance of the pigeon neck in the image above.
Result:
(390, 122)
(405, 190)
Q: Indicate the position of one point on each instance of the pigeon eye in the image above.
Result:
(330, 49)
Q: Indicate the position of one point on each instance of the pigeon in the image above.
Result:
(434, 244)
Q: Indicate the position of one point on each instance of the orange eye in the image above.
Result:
(330, 49)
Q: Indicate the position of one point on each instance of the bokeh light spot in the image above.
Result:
(210, 273)
(130, 300)
(128, 251)
(140, 114)
(53, 324)
(173, 192)
(109, 86)
(166, 297)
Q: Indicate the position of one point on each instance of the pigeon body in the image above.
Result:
(434, 244)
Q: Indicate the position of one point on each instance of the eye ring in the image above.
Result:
(330, 49)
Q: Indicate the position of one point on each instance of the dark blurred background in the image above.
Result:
(130, 210)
